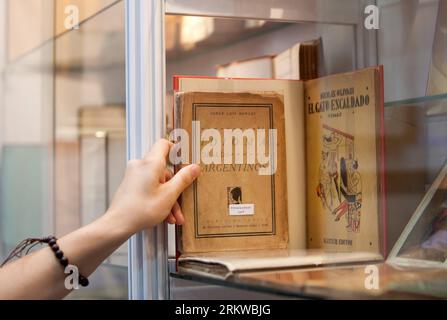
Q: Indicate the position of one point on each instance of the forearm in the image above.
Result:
(40, 275)
(147, 196)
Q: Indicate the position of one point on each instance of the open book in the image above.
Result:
(222, 265)
(326, 188)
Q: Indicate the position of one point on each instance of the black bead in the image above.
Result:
(52, 242)
(63, 261)
(83, 281)
(59, 254)
(55, 247)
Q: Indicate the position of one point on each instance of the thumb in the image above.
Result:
(182, 179)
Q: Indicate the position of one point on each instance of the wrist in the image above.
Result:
(116, 226)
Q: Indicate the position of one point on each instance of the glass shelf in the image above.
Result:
(425, 101)
(336, 282)
(240, 283)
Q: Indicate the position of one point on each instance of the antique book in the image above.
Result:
(332, 146)
(344, 149)
(303, 61)
(233, 203)
(223, 265)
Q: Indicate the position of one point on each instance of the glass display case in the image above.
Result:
(200, 36)
(63, 145)
(88, 84)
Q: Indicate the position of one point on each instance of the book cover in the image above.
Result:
(240, 199)
(293, 100)
(356, 182)
(344, 153)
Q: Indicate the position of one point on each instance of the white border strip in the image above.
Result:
(145, 120)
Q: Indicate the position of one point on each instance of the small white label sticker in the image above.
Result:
(241, 209)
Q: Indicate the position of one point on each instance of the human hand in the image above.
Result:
(148, 193)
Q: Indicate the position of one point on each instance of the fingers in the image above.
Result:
(178, 214)
(181, 180)
(170, 219)
(160, 150)
(167, 176)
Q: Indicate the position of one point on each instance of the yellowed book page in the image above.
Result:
(292, 92)
(342, 162)
(240, 200)
(239, 261)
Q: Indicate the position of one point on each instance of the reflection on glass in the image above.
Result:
(62, 115)
(195, 29)
(89, 133)
(428, 238)
(26, 96)
(102, 162)
(186, 35)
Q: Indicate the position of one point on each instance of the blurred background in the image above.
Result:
(62, 123)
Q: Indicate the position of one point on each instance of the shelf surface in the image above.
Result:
(424, 100)
(342, 282)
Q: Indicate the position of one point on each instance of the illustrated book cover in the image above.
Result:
(328, 188)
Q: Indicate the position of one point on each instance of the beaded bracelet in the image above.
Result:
(52, 242)
(29, 243)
